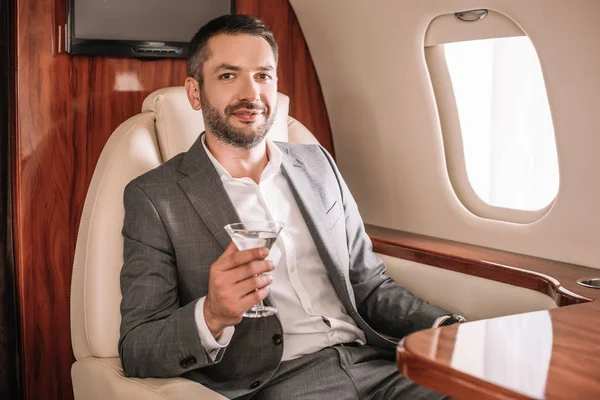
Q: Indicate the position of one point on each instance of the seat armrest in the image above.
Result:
(103, 378)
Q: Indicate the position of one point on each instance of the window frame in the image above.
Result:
(449, 122)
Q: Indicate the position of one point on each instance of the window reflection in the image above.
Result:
(513, 351)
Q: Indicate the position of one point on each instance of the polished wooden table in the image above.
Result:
(540, 355)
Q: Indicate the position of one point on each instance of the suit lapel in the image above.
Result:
(203, 187)
(313, 210)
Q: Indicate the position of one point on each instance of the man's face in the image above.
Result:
(239, 93)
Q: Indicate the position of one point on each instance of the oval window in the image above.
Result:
(505, 122)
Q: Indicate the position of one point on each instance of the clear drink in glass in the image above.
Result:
(250, 235)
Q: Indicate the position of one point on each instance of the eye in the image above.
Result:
(226, 76)
(264, 77)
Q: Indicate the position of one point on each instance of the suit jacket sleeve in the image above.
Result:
(386, 306)
(159, 337)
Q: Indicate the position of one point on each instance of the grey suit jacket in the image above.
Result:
(173, 231)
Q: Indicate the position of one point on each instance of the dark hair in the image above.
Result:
(229, 24)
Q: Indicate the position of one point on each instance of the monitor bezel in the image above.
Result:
(144, 49)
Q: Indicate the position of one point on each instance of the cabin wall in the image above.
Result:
(66, 108)
(387, 131)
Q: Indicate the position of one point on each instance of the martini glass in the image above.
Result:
(250, 235)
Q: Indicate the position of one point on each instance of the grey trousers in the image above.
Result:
(342, 373)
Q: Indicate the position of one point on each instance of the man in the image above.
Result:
(185, 286)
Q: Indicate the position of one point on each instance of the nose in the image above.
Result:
(249, 91)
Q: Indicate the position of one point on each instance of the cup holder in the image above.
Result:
(593, 283)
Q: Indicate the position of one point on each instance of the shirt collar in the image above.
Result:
(275, 158)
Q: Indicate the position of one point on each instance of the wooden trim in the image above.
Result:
(553, 278)
(59, 22)
(10, 373)
(427, 356)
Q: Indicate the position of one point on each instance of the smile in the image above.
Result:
(247, 115)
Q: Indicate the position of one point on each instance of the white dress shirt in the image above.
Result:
(310, 311)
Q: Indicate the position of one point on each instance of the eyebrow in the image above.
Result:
(231, 67)
(228, 67)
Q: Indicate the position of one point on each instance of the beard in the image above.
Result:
(243, 138)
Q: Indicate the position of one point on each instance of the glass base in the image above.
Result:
(259, 312)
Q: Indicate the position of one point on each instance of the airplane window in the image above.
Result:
(505, 122)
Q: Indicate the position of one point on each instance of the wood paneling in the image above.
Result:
(569, 371)
(553, 278)
(9, 339)
(66, 109)
(297, 75)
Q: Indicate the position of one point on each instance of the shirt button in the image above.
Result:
(255, 384)
(292, 270)
(331, 333)
(277, 339)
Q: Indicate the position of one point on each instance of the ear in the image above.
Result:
(192, 89)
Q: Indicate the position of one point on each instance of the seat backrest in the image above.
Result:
(166, 127)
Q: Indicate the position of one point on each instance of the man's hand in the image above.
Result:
(234, 286)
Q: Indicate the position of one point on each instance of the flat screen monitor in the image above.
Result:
(138, 28)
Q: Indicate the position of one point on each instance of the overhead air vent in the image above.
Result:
(158, 52)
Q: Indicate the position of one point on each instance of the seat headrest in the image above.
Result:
(178, 124)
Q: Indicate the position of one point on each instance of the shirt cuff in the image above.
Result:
(439, 320)
(211, 345)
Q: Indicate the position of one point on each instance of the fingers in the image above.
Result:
(251, 284)
(237, 282)
(250, 269)
(233, 258)
(254, 297)
(232, 248)
(227, 306)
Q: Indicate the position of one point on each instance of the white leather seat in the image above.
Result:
(166, 126)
